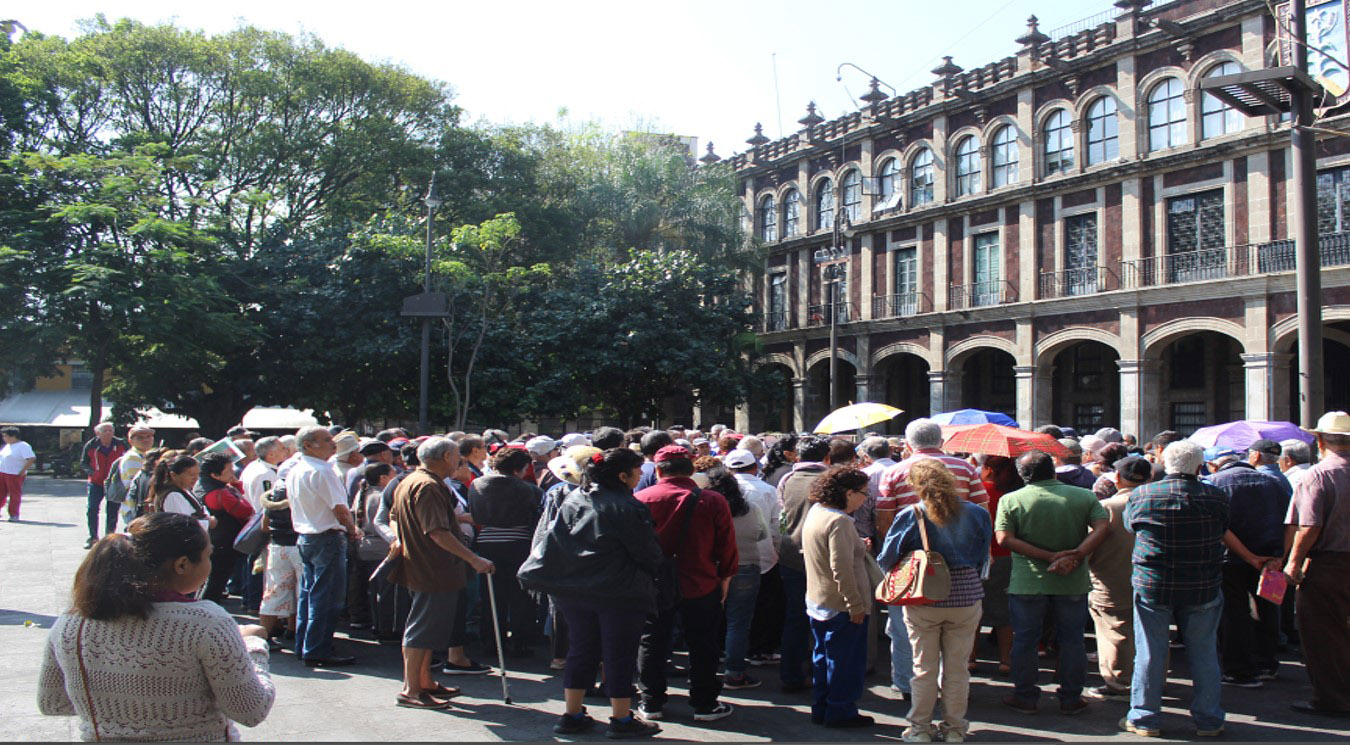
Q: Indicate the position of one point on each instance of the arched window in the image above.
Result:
(1058, 143)
(921, 177)
(888, 179)
(824, 204)
(792, 213)
(1103, 140)
(768, 220)
(1216, 117)
(1005, 156)
(968, 167)
(1166, 115)
(853, 196)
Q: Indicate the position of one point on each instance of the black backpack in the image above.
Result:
(667, 577)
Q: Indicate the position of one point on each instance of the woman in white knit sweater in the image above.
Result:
(136, 658)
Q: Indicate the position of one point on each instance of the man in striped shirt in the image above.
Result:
(924, 437)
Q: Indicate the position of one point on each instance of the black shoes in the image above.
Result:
(574, 725)
(630, 726)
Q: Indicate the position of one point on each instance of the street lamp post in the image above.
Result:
(432, 201)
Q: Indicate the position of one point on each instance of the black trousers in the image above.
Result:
(515, 607)
(1248, 644)
(358, 582)
(766, 628)
(700, 618)
(223, 561)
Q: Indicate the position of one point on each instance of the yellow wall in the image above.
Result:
(57, 382)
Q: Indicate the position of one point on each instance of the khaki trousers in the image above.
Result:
(1115, 644)
(941, 635)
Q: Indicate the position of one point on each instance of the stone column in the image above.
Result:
(742, 420)
(1139, 388)
(937, 391)
(864, 388)
(1260, 381)
(1026, 395)
(1042, 397)
(941, 278)
(868, 271)
(798, 404)
(1279, 388)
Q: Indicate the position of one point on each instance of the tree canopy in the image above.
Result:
(212, 223)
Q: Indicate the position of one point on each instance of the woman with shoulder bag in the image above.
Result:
(941, 633)
(598, 560)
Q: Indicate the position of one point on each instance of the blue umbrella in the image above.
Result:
(973, 416)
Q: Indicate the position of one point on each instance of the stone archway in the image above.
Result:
(771, 401)
(901, 380)
(817, 393)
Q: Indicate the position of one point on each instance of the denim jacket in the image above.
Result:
(964, 542)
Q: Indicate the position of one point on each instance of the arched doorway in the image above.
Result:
(1201, 382)
(1084, 386)
(988, 381)
(770, 400)
(818, 389)
(902, 382)
(1335, 365)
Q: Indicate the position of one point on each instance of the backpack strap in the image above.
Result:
(688, 508)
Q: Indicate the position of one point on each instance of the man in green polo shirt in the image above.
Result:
(1051, 528)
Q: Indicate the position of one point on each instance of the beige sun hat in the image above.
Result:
(1332, 423)
(569, 465)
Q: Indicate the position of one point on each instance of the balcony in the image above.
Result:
(901, 305)
(819, 315)
(1228, 262)
(776, 321)
(1074, 282)
(979, 294)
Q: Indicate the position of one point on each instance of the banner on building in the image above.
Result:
(1328, 45)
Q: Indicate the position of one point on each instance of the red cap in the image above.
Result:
(672, 452)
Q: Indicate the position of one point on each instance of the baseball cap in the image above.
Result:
(700, 441)
(738, 459)
(1135, 468)
(1110, 434)
(541, 445)
(671, 452)
(240, 431)
(1263, 445)
(1218, 451)
(573, 439)
(374, 447)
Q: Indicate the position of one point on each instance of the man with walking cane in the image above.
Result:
(432, 558)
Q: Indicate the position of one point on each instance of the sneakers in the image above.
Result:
(1271, 674)
(953, 735)
(912, 734)
(720, 711)
(473, 668)
(650, 713)
(90, 543)
(1233, 680)
(630, 726)
(762, 660)
(738, 682)
(557, 664)
(1134, 729)
(572, 725)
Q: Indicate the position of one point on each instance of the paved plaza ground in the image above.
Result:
(38, 557)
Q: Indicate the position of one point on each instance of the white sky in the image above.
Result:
(699, 68)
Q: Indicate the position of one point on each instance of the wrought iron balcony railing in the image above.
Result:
(901, 305)
(819, 315)
(1073, 282)
(979, 294)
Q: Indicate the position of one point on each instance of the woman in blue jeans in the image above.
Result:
(751, 527)
(941, 634)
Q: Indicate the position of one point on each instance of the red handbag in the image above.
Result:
(920, 579)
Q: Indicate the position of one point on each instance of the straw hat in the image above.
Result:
(1332, 423)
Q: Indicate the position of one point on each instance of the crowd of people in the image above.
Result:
(613, 549)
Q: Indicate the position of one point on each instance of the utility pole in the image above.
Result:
(428, 306)
(1307, 249)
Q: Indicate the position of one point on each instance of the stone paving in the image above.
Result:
(40, 554)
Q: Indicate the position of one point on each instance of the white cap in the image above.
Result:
(574, 438)
(739, 459)
(541, 445)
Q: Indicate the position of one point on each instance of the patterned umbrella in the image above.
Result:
(855, 416)
(995, 439)
(1242, 434)
(973, 416)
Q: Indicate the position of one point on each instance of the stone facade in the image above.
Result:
(1104, 244)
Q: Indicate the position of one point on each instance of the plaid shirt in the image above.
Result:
(1179, 524)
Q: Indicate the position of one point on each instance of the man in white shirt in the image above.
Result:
(1295, 460)
(16, 457)
(259, 475)
(320, 516)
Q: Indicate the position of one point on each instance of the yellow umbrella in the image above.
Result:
(855, 416)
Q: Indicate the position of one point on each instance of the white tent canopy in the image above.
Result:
(70, 409)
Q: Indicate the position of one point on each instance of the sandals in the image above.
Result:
(443, 692)
(421, 701)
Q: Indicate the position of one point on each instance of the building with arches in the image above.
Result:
(1075, 234)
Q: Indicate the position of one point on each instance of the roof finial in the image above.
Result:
(812, 118)
(947, 68)
(759, 138)
(710, 157)
(1033, 36)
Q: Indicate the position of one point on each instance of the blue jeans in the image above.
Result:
(109, 510)
(323, 587)
(796, 628)
(902, 652)
(1199, 624)
(840, 663)
(740, 611)
(1028, 616)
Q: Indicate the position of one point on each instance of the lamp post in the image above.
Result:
(832, 261)
(1291, 90)
(423, 395)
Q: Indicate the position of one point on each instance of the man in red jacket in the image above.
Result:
(706, 562)
(98, 456)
